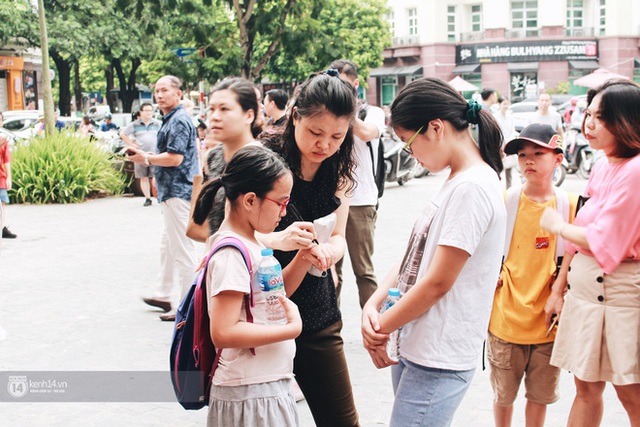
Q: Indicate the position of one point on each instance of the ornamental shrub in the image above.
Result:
(62, 167)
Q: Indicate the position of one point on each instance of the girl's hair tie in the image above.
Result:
(473, 108)
(332, 72)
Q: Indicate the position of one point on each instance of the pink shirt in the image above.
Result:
(611, 217)
(5, 157)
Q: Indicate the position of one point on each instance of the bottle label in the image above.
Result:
(271, 278)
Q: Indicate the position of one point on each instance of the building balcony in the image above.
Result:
(472, 36)
(521, 33)
(579, 32)
(405, 41)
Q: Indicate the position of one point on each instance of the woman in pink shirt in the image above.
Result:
(598, 337)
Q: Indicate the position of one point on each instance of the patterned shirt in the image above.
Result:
(316, 297)
(177, 135)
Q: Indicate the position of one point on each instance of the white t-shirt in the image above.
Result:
(366, 192)
(552, 119)
(468, 213)
(227, 271)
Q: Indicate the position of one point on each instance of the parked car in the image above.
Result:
(556, 99)
(21, 122)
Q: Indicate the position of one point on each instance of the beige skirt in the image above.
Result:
(598, 335)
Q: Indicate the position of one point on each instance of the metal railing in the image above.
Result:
(405, 41)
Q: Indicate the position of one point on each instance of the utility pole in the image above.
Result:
(49, 119)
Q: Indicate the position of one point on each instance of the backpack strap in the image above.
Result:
(238, 244)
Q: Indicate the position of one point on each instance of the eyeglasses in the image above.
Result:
(407, 146)
(283, 205)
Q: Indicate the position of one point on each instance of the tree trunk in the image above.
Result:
(108, 73)
(64, 80)
(77, 86)
(49, 120)
(129, 93)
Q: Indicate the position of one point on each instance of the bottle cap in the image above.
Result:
(393, 292)
(267, 252)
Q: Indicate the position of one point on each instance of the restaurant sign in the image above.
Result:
(527, 51)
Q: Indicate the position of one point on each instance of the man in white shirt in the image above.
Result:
(546, 115)
(364, 200)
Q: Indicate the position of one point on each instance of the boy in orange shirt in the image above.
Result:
(519, 343)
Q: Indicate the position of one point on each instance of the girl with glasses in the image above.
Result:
(249, 388)
(449, 271)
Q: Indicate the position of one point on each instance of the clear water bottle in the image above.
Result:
(393, 345)
(272, 285)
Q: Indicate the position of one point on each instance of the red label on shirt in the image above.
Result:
(542, 242)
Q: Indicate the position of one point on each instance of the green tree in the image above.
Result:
(352, 29)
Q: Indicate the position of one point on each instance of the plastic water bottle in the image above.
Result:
(393, 345)
(272, 285)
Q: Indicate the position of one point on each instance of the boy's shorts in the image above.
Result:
(4, 196)
(509, 363)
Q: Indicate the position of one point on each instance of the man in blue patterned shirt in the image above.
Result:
(175, 163)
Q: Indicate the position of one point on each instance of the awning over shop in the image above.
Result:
(466, 69)
(584, 65)
(396, 71)
(522, 66)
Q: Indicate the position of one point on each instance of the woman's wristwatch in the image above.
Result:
(146, 160)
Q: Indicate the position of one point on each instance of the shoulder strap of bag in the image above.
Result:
(562, 206)
(238, 244)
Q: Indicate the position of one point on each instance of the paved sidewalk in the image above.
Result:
(70, 300)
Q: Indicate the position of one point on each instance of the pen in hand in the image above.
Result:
(554, 323)
(296, 215)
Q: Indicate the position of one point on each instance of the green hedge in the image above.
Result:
(62, 168)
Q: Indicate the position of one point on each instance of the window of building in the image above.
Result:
(451, 23)
(603, 17)
(476, 17)
(392, 23)
(524, 16)
(575, 13)
(413, 21)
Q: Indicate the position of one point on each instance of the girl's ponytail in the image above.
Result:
(490, 140)
(206, 200)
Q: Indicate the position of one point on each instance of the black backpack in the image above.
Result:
(378, 166)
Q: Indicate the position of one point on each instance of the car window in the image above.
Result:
(17, 124)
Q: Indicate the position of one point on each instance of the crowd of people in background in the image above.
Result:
(550, 280)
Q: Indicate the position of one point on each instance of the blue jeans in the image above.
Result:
(426, 396)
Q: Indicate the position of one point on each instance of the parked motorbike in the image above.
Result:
(399, 166)
(578, 153)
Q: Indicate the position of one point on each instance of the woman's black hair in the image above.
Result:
(252, 169)
(620, 114)
(430, 98)
(246, 96)
(322, 92)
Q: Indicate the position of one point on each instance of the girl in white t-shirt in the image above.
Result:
(248, 389)
(450, 269)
